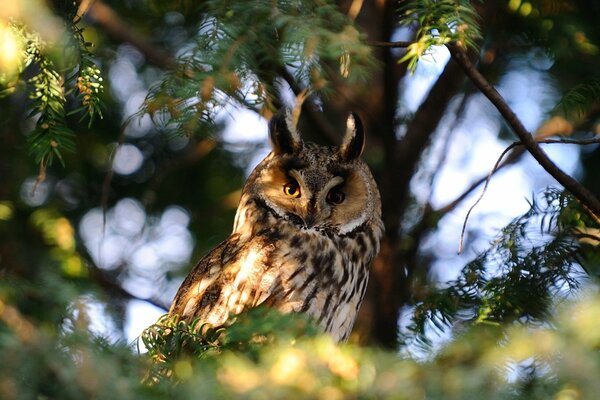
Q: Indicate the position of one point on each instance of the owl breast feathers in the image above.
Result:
(305, 234)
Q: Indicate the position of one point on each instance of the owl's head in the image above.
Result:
(324, 188)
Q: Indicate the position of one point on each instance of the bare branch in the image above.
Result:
(487, 182)
(114, 288)
(594, 140)
(401, 44)
(194, 153)
(458, 118)
(577, 190)
(404, 156)
(512, 157)
(108, 19)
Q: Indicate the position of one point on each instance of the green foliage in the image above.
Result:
(51, 133)
(439, 22)
(50, 85)
(38, 363)
(169, 340)
(483, 361)
(579, 100)
(234, 60)
(519, 278)
(87, 79)
(58, 233)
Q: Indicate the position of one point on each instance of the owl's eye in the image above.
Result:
(335, 196)
(291, 189)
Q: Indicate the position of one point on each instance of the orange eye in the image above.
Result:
(291, 189)
(336, 196)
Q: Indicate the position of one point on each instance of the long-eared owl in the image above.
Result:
(306, 231)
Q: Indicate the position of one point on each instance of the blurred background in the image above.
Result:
(185, 93)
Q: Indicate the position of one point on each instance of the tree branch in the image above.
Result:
(377, 43)
(512, 157)
(107, 18)
(406, 154)
(114, 288)
(577, 190)
(445, 137)
(595, 140)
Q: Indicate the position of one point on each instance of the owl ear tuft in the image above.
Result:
(354, 139)
(284, 137)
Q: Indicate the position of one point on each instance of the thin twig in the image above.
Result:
(105, 16)
(113, 287)
(196, 152)
(399, 44)
(487, 182)
(41, 175)
(581, 193)
(583, 142)
(512, 157)
(594, 140)
(458, 118)
(110, 173)
(403, 156)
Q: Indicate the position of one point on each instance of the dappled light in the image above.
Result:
(10, 51)
(128, 159)
(128, 132)
(126, 239)
(479, 362)
(34, 194)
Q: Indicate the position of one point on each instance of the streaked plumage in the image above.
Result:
(306, 231)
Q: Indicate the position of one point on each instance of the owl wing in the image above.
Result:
(222, 283)
(200, 293)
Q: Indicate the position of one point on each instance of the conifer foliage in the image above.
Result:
(133, 98)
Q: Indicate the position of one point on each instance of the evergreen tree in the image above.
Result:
(116, 162)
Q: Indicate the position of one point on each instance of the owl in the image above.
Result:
(306, 231)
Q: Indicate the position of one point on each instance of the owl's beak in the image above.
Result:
(309, 220)
(307, 217)
(311, 215)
